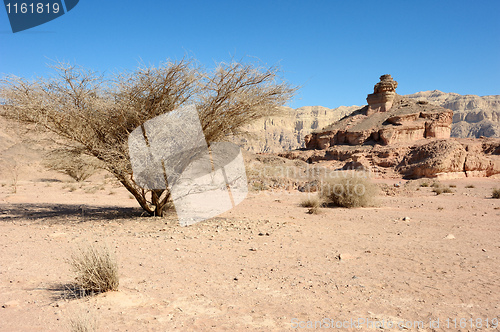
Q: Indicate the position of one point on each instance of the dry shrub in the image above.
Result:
(84, 321)
(349, 191)
(441, 190)
(470, 186)
(96, 269)
(496, 193)
(314, 210)
(436, 184)
(312, 202)
(438, 191)
(424, 184)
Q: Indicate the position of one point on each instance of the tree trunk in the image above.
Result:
(159, 198)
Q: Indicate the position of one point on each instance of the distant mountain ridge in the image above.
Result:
(474, 116)
(287, 130)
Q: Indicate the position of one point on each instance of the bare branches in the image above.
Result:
(237, 94)
(93, 114)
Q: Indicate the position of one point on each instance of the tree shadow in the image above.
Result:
(65, 212)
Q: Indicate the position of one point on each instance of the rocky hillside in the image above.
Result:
(396, 136)
(287, 131)
(389, 118)
(474, 116)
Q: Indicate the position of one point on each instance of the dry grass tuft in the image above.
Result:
(441, 190)
(312, 202)
(96, 270)
(424, 184)
(470, 186)
(314, 210)
(496, 193)
(84, 321)
(349, 192)
(436, 184)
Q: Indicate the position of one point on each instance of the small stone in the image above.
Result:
(343, 257)
(449, 237)
(176, 249)
(10, 304)
(406, 219)
(253, 249)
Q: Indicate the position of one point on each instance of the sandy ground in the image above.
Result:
(266, 265)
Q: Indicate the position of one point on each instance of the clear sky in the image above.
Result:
(336, 50)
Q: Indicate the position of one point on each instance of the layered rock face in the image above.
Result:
(396, 136)
(286, 131)
(387, 119)
(474, 116)
(436, 158)
(383, 95)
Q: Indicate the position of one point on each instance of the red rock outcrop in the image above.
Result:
(439, 158)
(387, 119)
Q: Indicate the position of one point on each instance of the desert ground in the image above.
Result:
(266, 265)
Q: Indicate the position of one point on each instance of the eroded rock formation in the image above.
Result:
(473, 116)
(387, 119)
(383, 95)
(437, 158)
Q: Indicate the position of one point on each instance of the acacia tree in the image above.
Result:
(93, 115)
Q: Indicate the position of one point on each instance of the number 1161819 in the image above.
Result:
(39, 8)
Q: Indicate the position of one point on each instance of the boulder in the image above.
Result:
(428, 160)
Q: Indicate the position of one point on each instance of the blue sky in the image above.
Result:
(336, 50)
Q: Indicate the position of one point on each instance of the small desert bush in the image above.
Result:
(259, 186)
(441, 190)
(314, 210)
(452, 186)
(436, 185)
(424, 184)
(350, 191)
(95, 269)
(470, 186)
(312, 202)
(496, 193)
(83, 322)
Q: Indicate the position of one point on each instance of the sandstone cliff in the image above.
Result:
(434, 158)
(388, 118)
(287, 131)
(403, 136)
(474, 116)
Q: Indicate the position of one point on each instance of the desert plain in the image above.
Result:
(266, 265)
